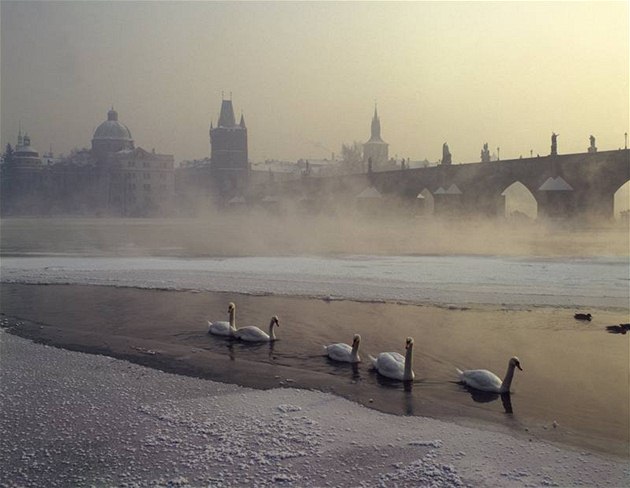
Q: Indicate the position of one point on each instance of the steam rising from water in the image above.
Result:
(291, 232)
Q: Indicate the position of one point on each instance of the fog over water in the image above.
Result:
(259, 233)
(344, 255)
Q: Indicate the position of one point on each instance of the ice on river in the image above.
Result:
(440, 280)
(72, 419)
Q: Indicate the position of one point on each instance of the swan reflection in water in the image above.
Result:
(489, 396)
(236, 348)
(342, 369)
(404, 387)
(408, 398)
(390, 383)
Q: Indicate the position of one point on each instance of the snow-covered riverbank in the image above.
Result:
(71, 419)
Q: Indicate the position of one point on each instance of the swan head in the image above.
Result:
(514, 362)
(356, 339)
(231, 307)
(409, 343)
(275, 321)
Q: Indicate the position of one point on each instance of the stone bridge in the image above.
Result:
(572, 185)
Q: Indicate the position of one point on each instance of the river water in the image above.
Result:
(466, 311)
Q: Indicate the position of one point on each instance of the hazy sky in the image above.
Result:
(306, 75)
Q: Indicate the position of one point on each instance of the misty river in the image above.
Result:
(121, 287)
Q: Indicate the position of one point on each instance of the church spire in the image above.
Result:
(242, 122)
(376, 127)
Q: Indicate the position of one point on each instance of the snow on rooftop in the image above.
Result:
(270, 199)
(555, 184)
(370, 192)
(236, 201)
(440, 191)
(453, 190)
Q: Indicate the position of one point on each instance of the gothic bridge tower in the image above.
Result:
(228, 152)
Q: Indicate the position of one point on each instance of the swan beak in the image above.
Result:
(519, 367)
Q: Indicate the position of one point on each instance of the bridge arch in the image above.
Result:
(621, 202)
(519, 201)
(429, 202)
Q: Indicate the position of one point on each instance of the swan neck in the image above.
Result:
(272, 332)
(507, 381)
(233, 319)
(408, 375)
(355, 351)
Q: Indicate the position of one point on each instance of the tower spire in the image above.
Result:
(376, 127)
(226, 117)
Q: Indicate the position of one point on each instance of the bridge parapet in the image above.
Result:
(593, 177)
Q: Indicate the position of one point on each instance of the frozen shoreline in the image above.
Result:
(73, 418)
(436, 280)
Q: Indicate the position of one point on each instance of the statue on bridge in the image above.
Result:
(446, 154)
(554, 144)
(592, 148)
(485, 154)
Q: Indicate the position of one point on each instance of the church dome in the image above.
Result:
(112, 129)
(25, 149)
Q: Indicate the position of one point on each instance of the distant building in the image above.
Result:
(131, 180)
(21, 178)
(113, 178)
(376, 150)
(225, 175)
(141, 183)
(26, 155)
(228, 152)
(110, 137)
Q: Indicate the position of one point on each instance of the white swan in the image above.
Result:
(223, 328)
(254, 334)
(484, 380)
(394, 365)
(344, 352)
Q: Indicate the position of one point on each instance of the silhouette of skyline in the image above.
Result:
(508, 74)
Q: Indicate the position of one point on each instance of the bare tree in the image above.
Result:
(352, 156)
